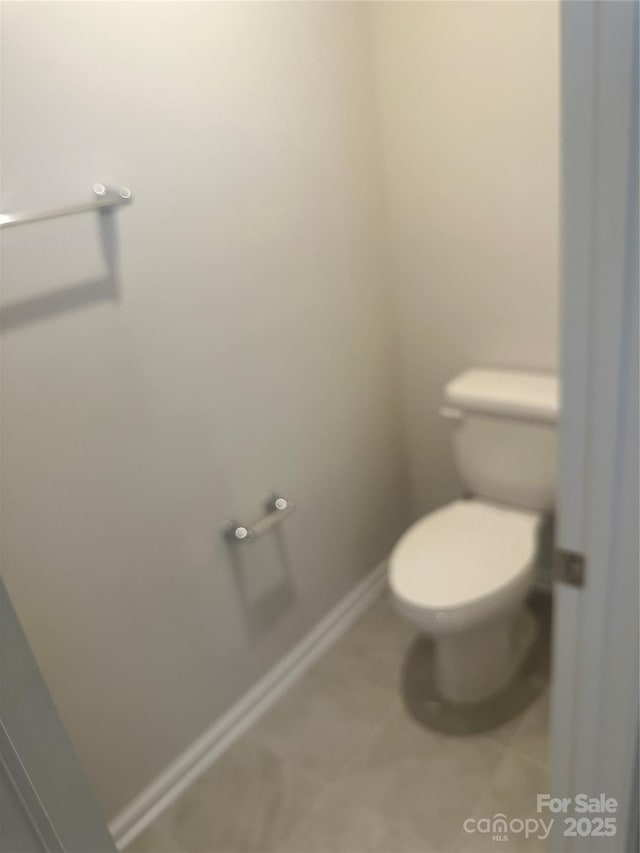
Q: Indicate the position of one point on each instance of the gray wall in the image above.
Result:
(469, 123)
(246, 346)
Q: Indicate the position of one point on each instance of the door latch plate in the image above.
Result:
(569, 567)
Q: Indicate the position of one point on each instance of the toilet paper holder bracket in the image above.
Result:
(276, 509)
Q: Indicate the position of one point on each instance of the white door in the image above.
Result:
(45, 803)
(595, 702)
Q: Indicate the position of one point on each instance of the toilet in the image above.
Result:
(462, 572)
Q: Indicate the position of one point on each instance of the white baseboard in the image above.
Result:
(197, 758)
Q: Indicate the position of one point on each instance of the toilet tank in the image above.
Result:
(504, 440)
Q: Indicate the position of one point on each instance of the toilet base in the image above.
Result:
(472, 665)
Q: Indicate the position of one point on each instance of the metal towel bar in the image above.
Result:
(106, 198)
(277, 509)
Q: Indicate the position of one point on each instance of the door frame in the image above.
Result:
(595, 666)
(36, 753)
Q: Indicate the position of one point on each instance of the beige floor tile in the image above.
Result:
(324, 718)
(154, 840)
(376, 646)
(506, 732)
(532, 735)
(512, 792)
(425, 782)
(340, 766)
(336, 826)
(250, 800)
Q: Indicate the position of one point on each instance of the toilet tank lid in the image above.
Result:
(525, 395)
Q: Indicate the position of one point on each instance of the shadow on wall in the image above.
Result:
(264, 582)
(75, 296)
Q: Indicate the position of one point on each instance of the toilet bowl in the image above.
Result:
(461, 575)
(462, 572)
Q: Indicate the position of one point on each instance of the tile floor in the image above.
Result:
(339, 766)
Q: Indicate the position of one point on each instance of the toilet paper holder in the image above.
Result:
(276, 508)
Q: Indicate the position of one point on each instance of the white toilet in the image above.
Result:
(462, 572)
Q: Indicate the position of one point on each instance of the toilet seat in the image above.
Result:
(463, 562)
